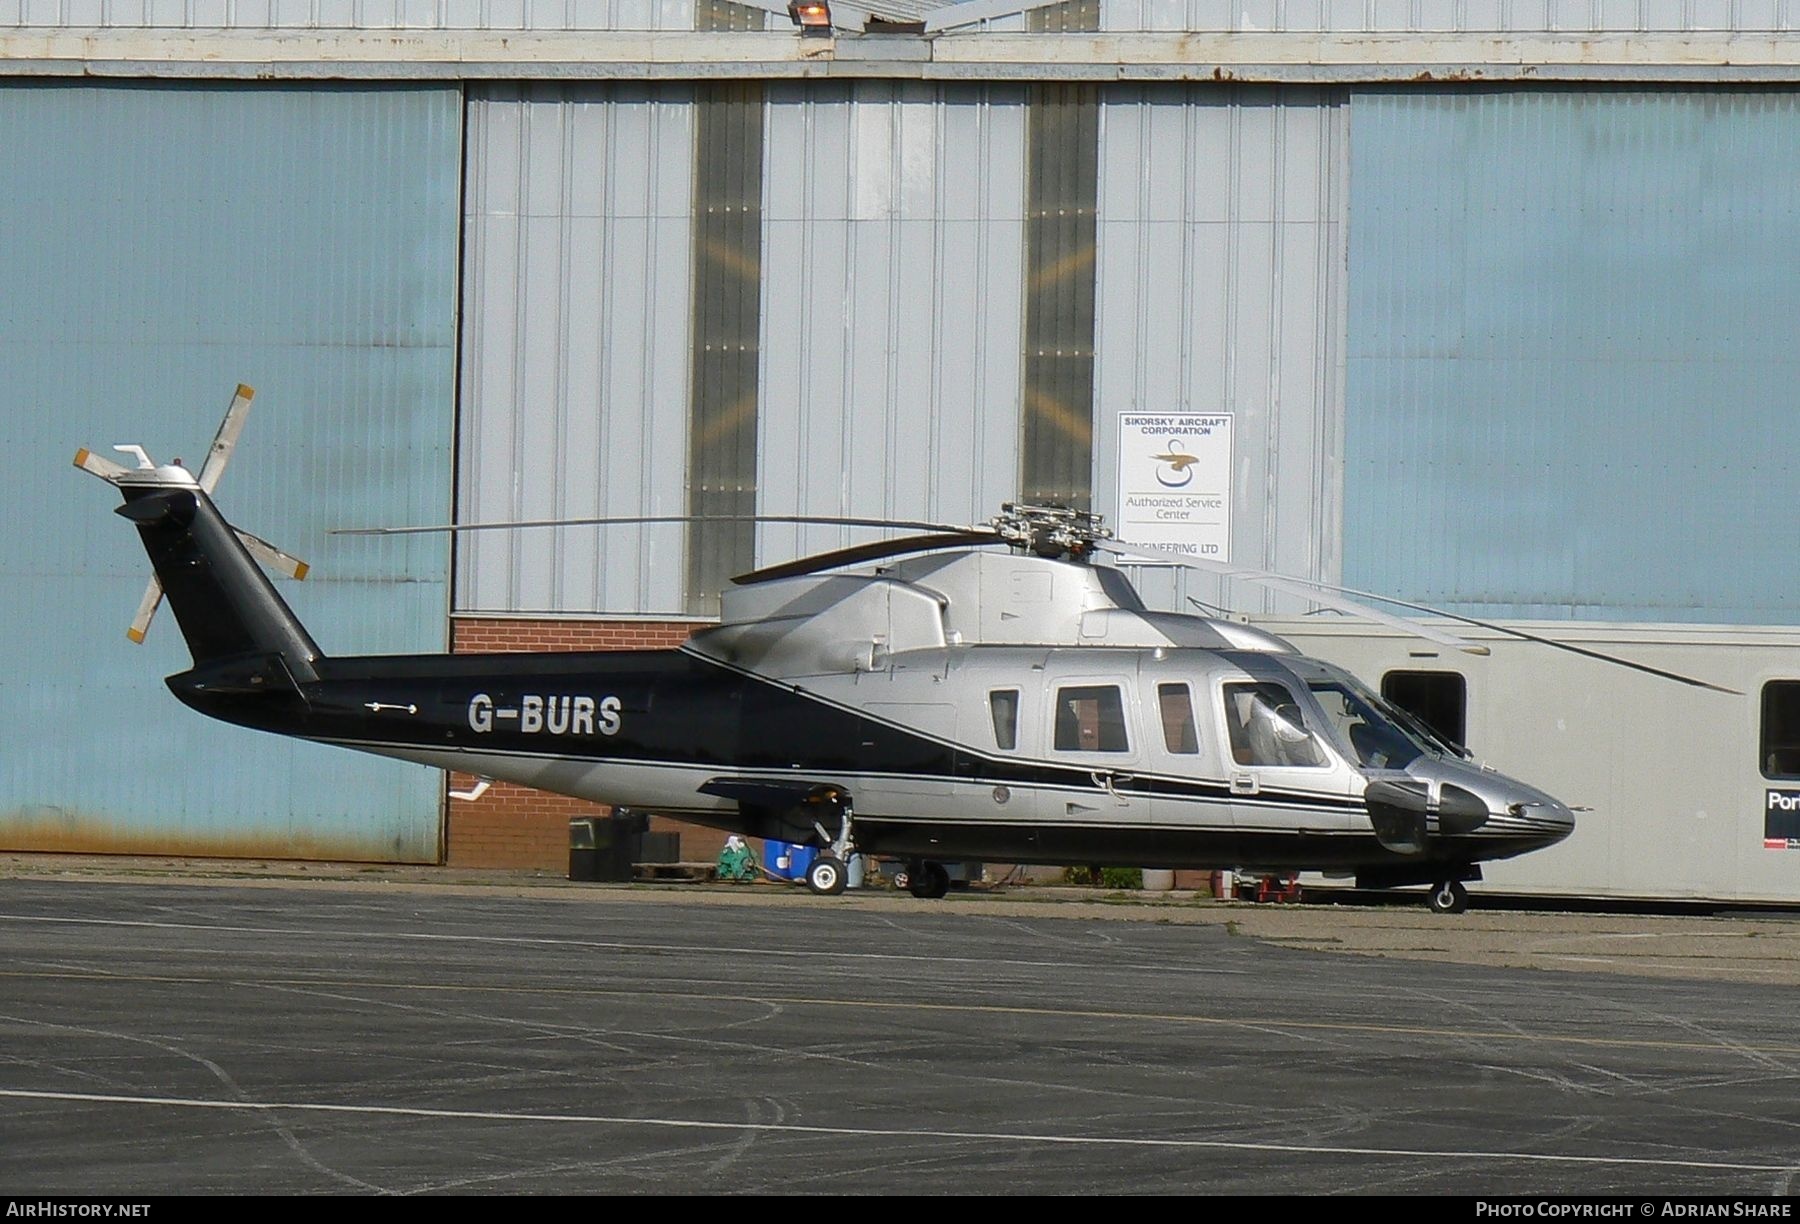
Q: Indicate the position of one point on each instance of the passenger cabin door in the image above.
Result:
(1185, 748)
(1013, 738)
(1094, 745)
(1284, 778)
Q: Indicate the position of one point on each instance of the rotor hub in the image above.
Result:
(1050, 531)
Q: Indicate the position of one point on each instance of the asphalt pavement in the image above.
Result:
(389, 1035)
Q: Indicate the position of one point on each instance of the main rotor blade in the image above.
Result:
(866, 552)
(1308, 586)
(1583, 651)
(802, 519)
(1316, 592)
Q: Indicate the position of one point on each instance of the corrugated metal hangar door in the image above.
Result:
(158, 245)
(1575, 307)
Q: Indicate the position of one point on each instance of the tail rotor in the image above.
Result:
(224, 443)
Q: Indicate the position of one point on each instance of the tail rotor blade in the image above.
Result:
(226, 440)
(140, 624)
(95, 465)
(274, 558)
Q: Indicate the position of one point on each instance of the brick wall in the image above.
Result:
(516, 826)
(475, 635)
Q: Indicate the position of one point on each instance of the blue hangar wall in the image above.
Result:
(1574, 353)
(158, 245)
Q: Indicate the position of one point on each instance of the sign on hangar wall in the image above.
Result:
(1175, 483)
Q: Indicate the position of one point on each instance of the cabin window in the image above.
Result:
(1780, 750)
(1439, 699)
(1177, 708)
(1374, 740)
(1267, 727)
(1003, 704)
(1090, 719)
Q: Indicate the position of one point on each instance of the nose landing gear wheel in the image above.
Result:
(928, 881)
(1450, 897)
(826, 876)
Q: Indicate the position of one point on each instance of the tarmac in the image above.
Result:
(227, 1028)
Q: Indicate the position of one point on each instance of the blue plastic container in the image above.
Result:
(787, 860)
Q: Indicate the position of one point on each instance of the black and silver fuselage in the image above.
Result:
(967, 704)
(947, 753)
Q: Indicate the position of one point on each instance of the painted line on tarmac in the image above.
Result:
(876, 1132)
(617, 945)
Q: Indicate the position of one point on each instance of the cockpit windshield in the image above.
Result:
(1377, 738)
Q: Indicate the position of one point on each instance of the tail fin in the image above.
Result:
(225, 604)
(217, 456)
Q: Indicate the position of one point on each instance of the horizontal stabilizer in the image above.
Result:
(167, 506)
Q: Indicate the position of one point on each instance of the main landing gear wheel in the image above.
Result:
(827, 876)
(927, 881)
(1449, 897)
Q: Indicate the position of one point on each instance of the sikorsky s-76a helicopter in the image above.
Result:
(990, 692)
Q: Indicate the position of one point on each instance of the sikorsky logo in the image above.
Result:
(557, 714)
(1180, 465)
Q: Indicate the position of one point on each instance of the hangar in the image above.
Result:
(1497, 298)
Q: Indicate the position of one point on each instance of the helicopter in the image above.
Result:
(989, 692)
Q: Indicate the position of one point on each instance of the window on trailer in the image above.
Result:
(1439, 699)
(1780, 748)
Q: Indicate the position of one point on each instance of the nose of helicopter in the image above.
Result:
(1535, 815)
(1522, 814)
